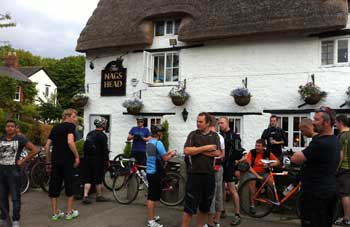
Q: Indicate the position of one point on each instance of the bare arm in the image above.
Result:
(255, 173)
(130, 137)
(298, 158)
(146, 139)
(33, 151)
(216, 153)
(197, 150)
(169, 155)
(47, 150)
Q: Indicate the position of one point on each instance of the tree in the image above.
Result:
(50, 111)
(7, 20)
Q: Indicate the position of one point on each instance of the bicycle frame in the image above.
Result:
(278, 202)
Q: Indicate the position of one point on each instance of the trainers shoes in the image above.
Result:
(72, 215)
(57, 216)
(15, 224)
(252, 210)
(86, 200)
(102, 199)
(236, 221)
(342, 221)
(156, 218)
(154, 224)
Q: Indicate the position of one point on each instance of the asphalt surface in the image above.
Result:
(36, 212)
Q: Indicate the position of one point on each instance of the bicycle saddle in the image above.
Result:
(266, 161)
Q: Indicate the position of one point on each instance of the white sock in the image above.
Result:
(151, 221)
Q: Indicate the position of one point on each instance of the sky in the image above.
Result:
(48, 28)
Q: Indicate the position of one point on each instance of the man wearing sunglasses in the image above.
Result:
(318, 182)
(139, 136)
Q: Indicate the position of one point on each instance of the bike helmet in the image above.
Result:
(100, 123)
(156, 128)
(139, 118)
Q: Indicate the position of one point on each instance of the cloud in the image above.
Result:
(47, 28)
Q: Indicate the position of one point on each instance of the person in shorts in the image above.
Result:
(201, 146)
(61, 163)
(343, 175)
(156, 154)
(139, 135)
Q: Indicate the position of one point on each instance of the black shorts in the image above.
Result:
(229, 173)
(154, 187)
(140, 157)
(343, 182)
(92, 170)
(61, 172)
(200, 190)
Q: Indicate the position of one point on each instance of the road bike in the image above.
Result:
(126, 184)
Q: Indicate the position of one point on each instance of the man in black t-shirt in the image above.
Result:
(274, 137)
(63, 159)
(201, 147)
(11, 147)
(96, 156)
(318, 182)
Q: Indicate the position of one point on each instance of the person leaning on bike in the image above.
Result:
(156, 154)
(318, 181)
(11, 146)
(139, 135)
(96, 157)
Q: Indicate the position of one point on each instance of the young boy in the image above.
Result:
(156, 154)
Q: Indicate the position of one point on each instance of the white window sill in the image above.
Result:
(163, 85)
(347, 64)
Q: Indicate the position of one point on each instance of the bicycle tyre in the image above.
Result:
(125, 188)
(38, 173)
(24, 181)
(173, 189)
(262, 208)
(108, 179)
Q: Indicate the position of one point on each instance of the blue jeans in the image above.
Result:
(10, 184)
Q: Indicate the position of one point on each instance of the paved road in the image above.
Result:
(36, 212)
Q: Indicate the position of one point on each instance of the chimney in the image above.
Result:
(11, 60)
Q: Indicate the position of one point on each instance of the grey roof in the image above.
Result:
(30, 70)
(124, 23)
(13, 73)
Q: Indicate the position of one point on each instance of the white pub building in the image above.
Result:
(144, 48)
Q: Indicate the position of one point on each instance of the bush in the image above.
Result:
(34, 134)
(45, 130)
(127, 149)
(165, 138)
(80, 146)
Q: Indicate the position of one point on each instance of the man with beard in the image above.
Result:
(320, 161)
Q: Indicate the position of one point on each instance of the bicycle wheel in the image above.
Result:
(261, 200)
(38, 174)
(24, 181)
(108, 178)
(173, 189)
(125, 188)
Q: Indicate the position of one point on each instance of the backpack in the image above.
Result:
(151, 150)
(265, 155)
(236, 150)
(90, 145)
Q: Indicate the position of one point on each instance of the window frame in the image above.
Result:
(335, 51)
(165, 27)
(18, 93)
(148, 122)
(233, 119)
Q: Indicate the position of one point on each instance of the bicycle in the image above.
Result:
(127, 183)
(111, 172)
(264, 195)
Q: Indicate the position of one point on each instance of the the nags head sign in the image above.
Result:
(113, 80)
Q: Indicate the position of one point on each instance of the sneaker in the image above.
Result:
(57, 216)
(156, 218)
(236, 221)
(72, 215)
(342, 221)
(102, 199)
(217, 225)
(252, 210)
(154, 224)
(15, 224)
(223, 214)
(86, 200)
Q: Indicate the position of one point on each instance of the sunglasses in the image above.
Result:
(329, 111)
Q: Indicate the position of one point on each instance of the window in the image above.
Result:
(47, 90)
(290, 125)
(152, 121)
(167, 27)
(17, 116)
(161, 68)
(235, 124)
(334, 51)
(18, 94)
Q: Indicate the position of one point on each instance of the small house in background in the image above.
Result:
(145, 48)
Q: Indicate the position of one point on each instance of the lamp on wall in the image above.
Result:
(92, 66)
(134, 82)
(184, 114)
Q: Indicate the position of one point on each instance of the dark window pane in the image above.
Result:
(327, 52)
(175, 60)
(161, 68)
(296, 139)
(176, 74)
(296, 123)
(342, 51)
(169, 27)
(169, 60)
(285, 124)
(168, 75)
(159, 28)
(156, 69)
(177, 25)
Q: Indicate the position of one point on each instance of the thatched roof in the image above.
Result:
(121, 23)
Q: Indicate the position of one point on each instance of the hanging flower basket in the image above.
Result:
(178, 95)
(242, 100)
(310, 93)
(241, 96)
(313, 99)
(133, 106)
(134, 110)
(80, 100)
